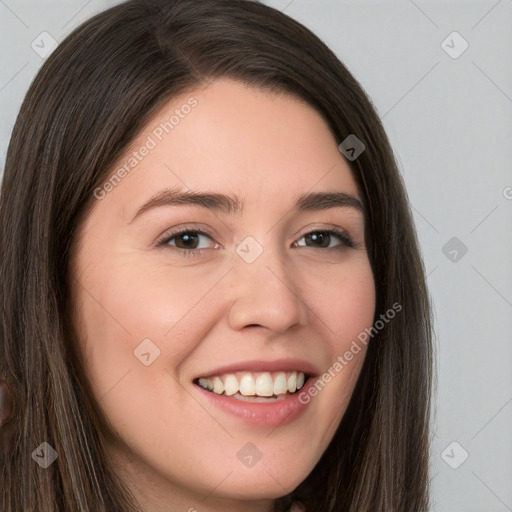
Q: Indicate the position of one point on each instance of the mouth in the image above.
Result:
(258, 393)
(258, 387)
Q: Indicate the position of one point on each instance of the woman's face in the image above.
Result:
(213, 257)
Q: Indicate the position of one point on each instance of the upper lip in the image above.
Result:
(260, 365)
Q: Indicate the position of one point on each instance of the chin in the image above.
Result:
(266, 482)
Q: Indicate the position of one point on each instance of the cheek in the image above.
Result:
(344, 304)
(131, 351)
(342, 299)
(141, 301)
(156, 297)
(124, 305)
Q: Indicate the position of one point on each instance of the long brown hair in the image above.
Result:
(90, 99)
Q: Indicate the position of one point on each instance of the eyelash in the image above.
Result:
(163, 242)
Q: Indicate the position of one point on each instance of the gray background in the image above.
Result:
(449, 121)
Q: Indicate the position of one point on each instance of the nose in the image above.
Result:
(264, 293)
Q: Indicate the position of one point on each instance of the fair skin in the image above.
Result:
(300, 299)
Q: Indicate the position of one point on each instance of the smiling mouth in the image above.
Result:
(255, 386)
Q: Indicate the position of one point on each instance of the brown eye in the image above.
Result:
(325, 239)
(186, 241)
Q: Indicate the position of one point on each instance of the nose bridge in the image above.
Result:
(262, 262)
(263, 289)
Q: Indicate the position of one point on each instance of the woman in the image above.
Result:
(212, 294)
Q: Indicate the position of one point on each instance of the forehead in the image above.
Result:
(233, 137)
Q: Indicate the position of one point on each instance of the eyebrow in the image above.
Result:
(230, 204)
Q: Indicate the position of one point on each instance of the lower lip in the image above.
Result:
(272, 414)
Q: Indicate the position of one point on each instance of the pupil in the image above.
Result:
(320, 237)
(190, 241)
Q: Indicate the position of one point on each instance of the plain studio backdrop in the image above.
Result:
(440, 76)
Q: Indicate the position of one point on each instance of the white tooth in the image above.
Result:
(231, 385)
(218, 385)
(264, 385)
(300, 380)
(206, 383)
(280, 384)
(247, 385)
(292, 382)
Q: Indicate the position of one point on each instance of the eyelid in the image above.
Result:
(171, 233)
